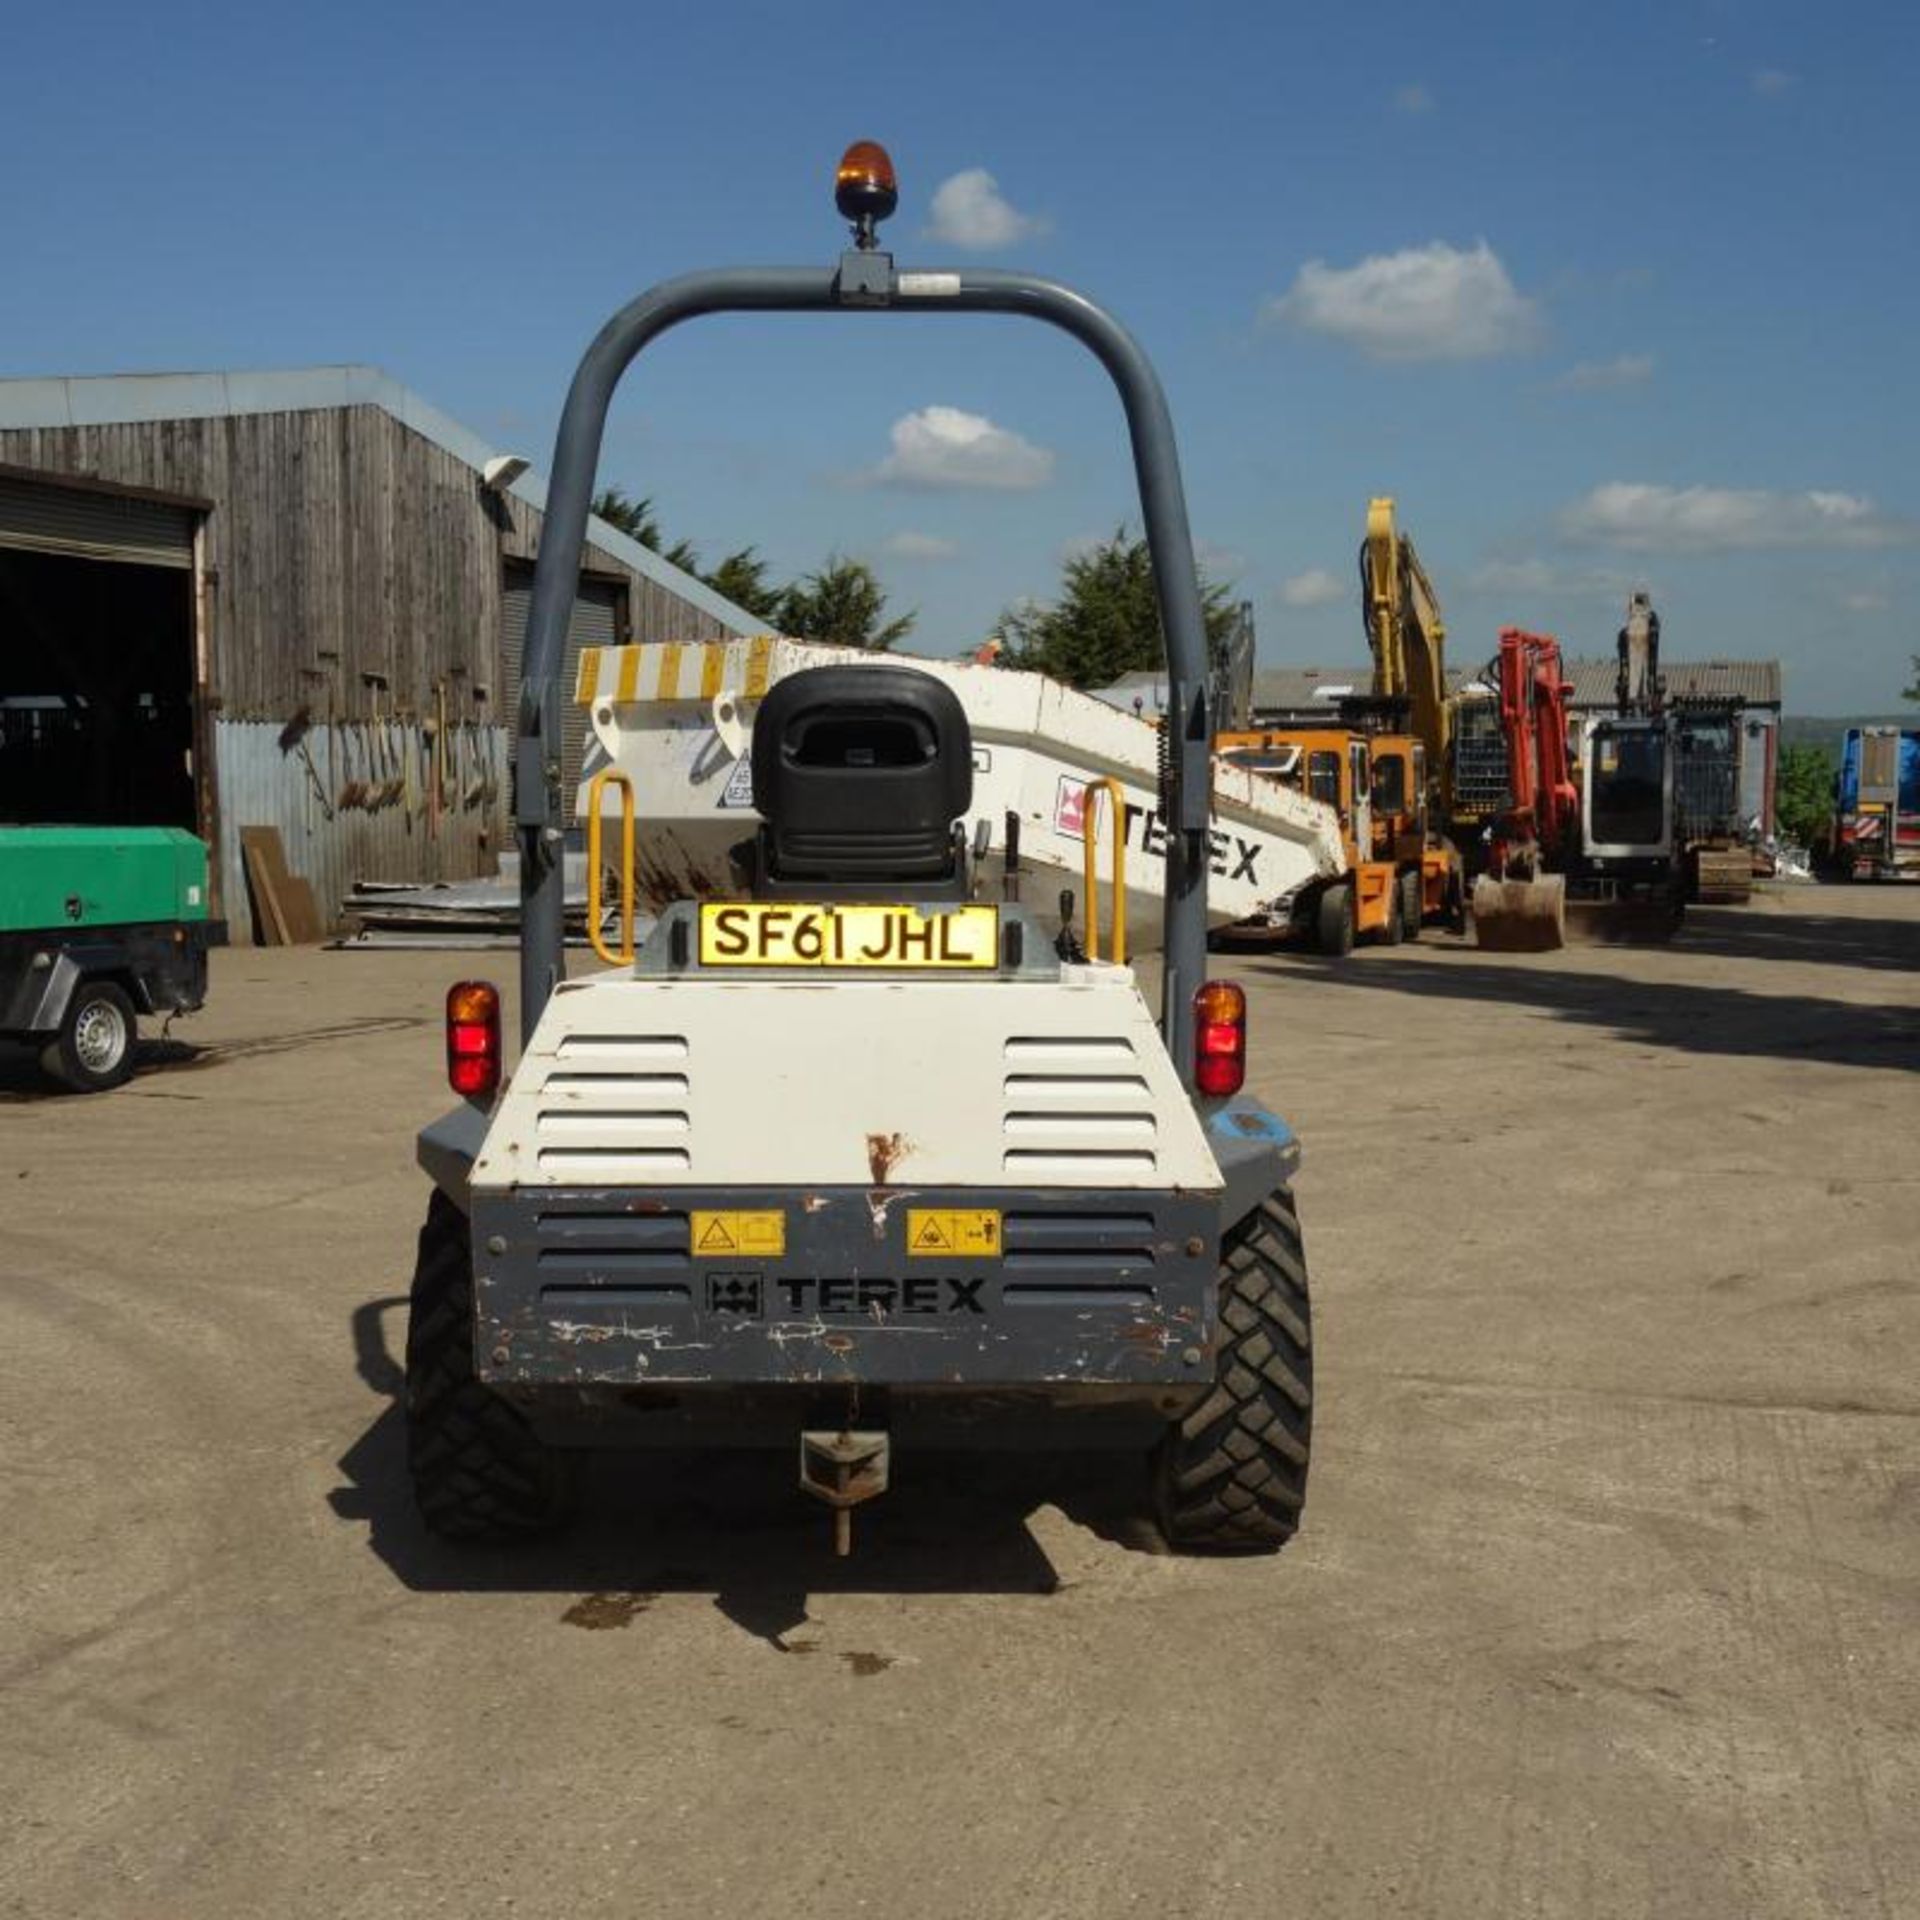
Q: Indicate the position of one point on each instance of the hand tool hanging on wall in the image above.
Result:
(431, 759)
(293, 739)
(352, 792)
(410, 785)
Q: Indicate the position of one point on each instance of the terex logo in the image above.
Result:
(871, 1295)
(1229, 856)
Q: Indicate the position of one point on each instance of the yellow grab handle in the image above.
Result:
(1090, 835)
(623, 956)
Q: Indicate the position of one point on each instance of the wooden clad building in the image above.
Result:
(290, 599)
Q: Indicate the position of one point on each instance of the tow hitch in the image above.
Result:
(843, 1469)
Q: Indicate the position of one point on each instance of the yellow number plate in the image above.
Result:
(936, 1233)
(764, 934)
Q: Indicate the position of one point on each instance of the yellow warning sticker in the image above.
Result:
(755, 1235)
(947, 1233)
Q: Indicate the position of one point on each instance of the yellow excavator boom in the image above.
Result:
(1408, 637)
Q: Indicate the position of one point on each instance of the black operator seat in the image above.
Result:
(860, 774)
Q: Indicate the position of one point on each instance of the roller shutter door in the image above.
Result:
(597, 622)
(43, 518)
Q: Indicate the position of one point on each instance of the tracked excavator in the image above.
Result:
(1589, 851)
(1714, 861)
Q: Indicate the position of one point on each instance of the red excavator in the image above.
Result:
(1603, 833)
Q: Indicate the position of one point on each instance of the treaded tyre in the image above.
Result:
(478, 1471)
(93, 1050)
(1395, 929)
(1333, 921)
(1413, 905)
(1231, 1476)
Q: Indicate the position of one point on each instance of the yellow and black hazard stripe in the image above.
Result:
(674, 670)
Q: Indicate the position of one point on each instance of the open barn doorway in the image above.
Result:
(96, 658)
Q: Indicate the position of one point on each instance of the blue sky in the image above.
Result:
(1603, 295)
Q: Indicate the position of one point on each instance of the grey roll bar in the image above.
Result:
(865, 281)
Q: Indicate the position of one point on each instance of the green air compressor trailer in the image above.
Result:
(98, 925)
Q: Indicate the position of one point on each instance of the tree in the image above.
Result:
(1803, 792)
(742, 578)
(1107, 619)
(636, 519)
(841, 605)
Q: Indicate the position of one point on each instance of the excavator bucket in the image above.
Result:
(1520, 916)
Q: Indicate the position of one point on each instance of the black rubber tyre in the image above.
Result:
(94, 1048)
(1232, 1476)
(1395, 929)
(1412, 905)
(1333, 921)
(478, 1471)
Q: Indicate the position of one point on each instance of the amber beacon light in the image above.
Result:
(865, 189)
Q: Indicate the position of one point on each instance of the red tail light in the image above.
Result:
(473, 1038)
(1220, 1038)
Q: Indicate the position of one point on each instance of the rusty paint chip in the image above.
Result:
(885, 1151)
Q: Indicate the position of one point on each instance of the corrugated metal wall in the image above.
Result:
(301, 790)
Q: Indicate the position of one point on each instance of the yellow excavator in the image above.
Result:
(1413, 744)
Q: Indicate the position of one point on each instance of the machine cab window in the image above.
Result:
(1323, 778)
(1278, 760)
(1390, 784)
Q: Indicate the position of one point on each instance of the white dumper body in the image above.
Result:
(677, 720)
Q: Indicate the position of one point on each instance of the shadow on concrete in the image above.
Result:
(1817, 940)
(735, 1524)
(1658, 1013)
(21, 1078)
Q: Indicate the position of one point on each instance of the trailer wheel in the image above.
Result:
(1412, 905)
(1333, 921)
(94, 1048)
(478, 1471)
(1232, 1475)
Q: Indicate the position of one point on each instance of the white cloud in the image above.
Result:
(1771, 82)
(1436, 302)
(1541, 579)
(1413, 98)
(1513, 576)
(970, 211)
(1727, 519)
(1865, 600)
(1314, 588)
(945, 447)
(909, 545)
(1602, 376)
(1217, 562)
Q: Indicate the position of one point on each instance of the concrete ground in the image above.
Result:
(1608, 1601)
